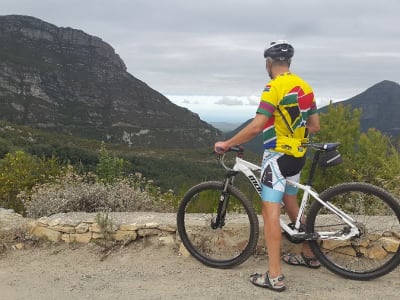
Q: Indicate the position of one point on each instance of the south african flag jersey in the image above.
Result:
(295, 99)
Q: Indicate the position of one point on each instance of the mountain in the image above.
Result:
(67, 81)
(380, 106)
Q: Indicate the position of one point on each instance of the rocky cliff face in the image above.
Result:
(65, 80)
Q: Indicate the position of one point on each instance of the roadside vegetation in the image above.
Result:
(43, 173)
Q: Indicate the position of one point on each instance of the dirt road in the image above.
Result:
(141, 271)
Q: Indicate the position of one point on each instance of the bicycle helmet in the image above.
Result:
(279, 50)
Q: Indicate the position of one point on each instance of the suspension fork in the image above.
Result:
(222, 203)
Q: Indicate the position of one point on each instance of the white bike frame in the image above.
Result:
(248, 169)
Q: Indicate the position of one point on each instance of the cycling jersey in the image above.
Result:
(287, 101)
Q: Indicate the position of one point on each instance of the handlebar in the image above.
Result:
(317, 146)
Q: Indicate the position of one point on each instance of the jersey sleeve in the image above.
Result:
(269, 101)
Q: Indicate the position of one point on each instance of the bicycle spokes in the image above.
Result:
(218, 228)
(370, 247)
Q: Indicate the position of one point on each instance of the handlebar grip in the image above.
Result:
(219, 150)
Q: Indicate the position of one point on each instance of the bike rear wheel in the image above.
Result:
(223, 247)
(375, 251)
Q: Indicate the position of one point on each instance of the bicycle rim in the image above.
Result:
(222, 247)
(375, 251)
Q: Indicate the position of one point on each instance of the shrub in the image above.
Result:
(80, 193)
(19, 172)
(109, 168)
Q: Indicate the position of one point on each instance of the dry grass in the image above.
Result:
(16, 237)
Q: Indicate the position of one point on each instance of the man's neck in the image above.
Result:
(278, 70)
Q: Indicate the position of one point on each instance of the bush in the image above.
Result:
(109, 168)
(81, 193)
(19, 172)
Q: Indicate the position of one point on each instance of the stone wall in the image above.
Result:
(161, 228)
(87, 227)
(123, 227)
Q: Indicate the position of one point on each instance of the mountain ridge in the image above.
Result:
(65, 80)
(380, 105)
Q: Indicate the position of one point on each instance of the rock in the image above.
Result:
(168, 240)
(373, 236)
(97, 236)
(63, 228)
(95, 228)
(390, 244)
(129, 227)
(376, 252)
(19, 246)
(331, 244)
(148, 232)
(347, 251)
(183, 251)
(54, 222)
(123, 235)
(168, 228)
(82, 228)
(151, 225)
(79, 238)
(46, 233)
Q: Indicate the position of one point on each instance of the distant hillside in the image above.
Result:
(66, 81)
(225, 126)
(255, 145)
(380, 106)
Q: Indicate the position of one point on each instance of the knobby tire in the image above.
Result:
(223, 247)
(377, 214)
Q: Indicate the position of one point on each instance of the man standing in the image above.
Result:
(287, 113)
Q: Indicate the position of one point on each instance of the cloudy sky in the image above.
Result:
(208, 55)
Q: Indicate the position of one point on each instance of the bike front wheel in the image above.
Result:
(372, 253)
(233, 241)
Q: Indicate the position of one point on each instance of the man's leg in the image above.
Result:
(292, 209)
(272, 235)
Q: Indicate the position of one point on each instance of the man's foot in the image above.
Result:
(265, 281)
(301, 260)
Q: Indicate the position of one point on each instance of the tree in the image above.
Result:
(368, 157)
(377, 159)
(338, 124)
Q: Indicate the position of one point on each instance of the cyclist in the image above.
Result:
(286, 114)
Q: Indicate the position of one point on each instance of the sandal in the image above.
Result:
(301, 260)
(263, 280)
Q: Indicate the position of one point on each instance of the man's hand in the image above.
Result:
(221, 147)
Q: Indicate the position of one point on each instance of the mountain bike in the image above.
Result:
(353, 228)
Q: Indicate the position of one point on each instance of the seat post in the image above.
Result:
(313, 167)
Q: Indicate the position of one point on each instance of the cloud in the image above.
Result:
(238, 101)
(230, 101)
(215, 48)
(253, 100)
